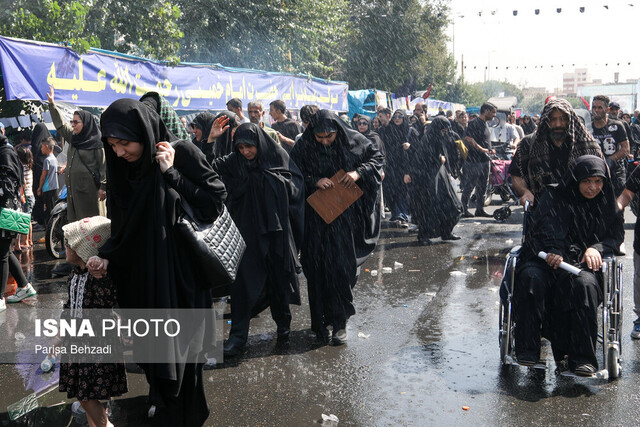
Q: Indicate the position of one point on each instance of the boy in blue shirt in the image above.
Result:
(48, 187)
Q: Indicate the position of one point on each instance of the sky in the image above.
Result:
(591, 39)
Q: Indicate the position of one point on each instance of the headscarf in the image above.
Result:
(89, 137)
(39, 134)
(204, 122)
(223, 144)
(530, 127)
(168, 115)
(399, 133)
(432, 145)
(582, 143)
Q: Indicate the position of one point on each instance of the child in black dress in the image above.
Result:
(90, 382)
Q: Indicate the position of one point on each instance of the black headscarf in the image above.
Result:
(264, 177)
(39, 134)
(89, 137)
(434, 144)
(567, 223)
(370, 134)
(204, 121)
(528, 128)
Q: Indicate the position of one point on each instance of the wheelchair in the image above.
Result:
(609, 334)
(610, 327)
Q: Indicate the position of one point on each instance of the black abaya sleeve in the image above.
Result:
(371, 167)
(194, 179)
(550, 226)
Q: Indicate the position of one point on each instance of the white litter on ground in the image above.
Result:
(397, 265)
(363, 335)
(456, 273)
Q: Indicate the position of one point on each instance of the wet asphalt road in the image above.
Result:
(422, 346)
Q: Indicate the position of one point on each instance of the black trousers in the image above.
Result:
(9, 264)
(560, 306)
(49, 199)
(476, 177)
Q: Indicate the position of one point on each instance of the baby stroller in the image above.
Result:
(500, 183)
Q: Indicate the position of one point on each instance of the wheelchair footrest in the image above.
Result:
(602, 374)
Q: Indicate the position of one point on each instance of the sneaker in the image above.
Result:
(403, 224)
(22, 293)
(3, 305)
(340, 337)
(635, 333)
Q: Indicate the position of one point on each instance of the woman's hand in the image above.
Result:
(102, 195)
(97, 266)
(593, 258)
(220, 125)
(324, 183)
(407, 179)
(165, 155)
(554, 260)
(406, 145)
(443, 159)
(349, 179)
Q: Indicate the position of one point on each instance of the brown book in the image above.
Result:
(330, 203)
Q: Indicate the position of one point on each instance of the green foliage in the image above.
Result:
(147, 28)
(302, 36)
(398, 46)
(144, 27)
(48, 21)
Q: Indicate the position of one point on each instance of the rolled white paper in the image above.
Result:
(563, 265)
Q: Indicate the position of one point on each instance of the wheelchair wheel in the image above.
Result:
(503, 333)
(613, 363)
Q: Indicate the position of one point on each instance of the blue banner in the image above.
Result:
(98, 78)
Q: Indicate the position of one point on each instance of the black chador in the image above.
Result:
(434, 204)
(266, 201)
(332, 253)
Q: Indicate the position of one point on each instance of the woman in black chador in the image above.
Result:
(332, 253)
(147, 177)
(577, 222)
(434, 204)
(397, 136)
(266, 201)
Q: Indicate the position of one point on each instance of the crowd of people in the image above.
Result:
(141, 161)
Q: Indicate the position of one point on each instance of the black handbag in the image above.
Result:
(216, 248)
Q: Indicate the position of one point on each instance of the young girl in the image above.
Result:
(26, 158)
(90, 382)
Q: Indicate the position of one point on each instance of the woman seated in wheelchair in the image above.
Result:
(576, 222)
